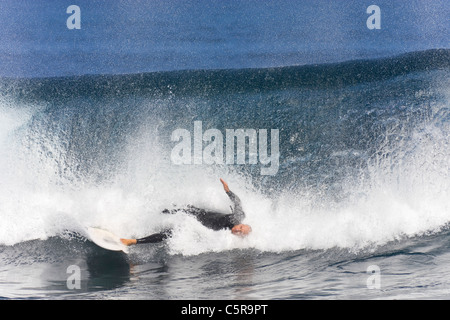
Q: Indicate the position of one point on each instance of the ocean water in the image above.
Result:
(357, 208)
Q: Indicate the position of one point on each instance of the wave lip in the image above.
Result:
(194, 82)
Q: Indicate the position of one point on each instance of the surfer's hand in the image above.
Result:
(225, 185)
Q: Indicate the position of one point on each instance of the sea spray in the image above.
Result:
(359, 165)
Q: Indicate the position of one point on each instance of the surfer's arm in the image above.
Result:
(225, 185)
(238, 212)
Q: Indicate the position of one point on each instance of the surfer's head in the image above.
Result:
(241, 229)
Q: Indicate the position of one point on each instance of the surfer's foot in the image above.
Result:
(128, 242)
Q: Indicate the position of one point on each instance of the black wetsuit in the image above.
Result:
(210, 219)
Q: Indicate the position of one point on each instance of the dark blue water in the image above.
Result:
(131, 37)
(361, 182)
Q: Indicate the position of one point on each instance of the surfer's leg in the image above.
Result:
(156, 237)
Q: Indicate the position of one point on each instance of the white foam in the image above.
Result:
(391, 201)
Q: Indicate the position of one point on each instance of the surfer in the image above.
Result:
(210, 219)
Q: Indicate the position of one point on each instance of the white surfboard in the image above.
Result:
(106, 239)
